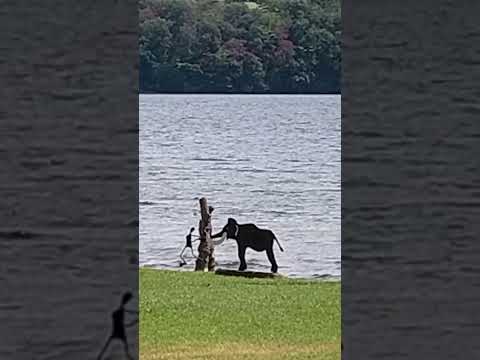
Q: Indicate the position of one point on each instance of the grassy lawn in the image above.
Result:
(188, 315)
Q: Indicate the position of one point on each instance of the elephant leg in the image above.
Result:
(271, 258)
(241, 257)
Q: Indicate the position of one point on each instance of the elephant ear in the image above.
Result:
(236, 230)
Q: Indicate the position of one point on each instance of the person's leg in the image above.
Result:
(125, 344)
(181, 257)
(104, 348)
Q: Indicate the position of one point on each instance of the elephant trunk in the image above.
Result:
(217, 235)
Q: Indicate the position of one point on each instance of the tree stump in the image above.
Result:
(205, 256)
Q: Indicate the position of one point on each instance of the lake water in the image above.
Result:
(269, 160)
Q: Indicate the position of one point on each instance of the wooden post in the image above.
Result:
(205, 248)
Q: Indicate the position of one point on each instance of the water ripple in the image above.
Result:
(280, 170)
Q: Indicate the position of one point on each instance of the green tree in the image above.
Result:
(240, 46)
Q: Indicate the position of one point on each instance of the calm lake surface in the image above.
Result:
(272, 160)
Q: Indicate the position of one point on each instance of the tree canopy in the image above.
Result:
(233, 46)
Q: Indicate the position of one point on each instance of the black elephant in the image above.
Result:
(250, 236)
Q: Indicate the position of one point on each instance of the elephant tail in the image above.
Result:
(278, 243)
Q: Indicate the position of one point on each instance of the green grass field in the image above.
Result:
(189, 315)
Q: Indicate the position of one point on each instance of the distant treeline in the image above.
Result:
(266, 46)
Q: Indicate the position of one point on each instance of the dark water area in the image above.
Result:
(272, 160)
(410, 180)
(68, 151)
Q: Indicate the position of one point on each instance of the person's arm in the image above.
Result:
(131, 312)
(132, 323)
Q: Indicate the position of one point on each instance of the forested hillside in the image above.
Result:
(266, 46)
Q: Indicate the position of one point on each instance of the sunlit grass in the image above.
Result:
(206, 316)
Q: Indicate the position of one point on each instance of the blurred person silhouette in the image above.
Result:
(119, 325)
(188, 244)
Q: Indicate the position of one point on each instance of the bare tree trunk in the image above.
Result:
(205, 248)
